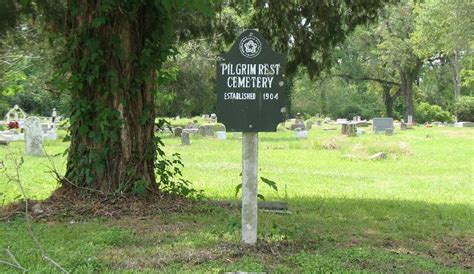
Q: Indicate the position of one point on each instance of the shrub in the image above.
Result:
(350, 111)
(429, 113)
(464, 108)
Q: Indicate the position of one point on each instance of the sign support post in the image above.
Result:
(251, 98)
(249, 187)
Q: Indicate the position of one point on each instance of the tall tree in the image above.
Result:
(396, 49)
(359, 60)
(445, 29)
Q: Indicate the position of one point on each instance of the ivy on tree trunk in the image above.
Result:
(114, 50)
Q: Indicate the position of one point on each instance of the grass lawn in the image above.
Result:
(411, 212)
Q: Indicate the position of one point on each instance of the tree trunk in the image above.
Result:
(456, 75)
(406, 85)
(407, 78)
(324, 108)
(389, 99)
(113, 148)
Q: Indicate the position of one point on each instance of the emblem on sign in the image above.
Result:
(250, 46)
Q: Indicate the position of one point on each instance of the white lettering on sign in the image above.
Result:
(250, 75)
(270, 96)
(239, 96)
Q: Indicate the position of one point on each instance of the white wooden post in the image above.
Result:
(249, 187)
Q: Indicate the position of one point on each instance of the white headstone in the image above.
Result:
(185, 138)
(302, 134)
(464, 124)
(221, 135)
(341, 121)
(33, 136)
(51, 135)
(54, 116)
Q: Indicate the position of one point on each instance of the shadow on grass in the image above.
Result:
(321, 234)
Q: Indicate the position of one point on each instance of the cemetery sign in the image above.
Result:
(251, 93)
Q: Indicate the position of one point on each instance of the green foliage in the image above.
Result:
(168, 170)
(171, 179)
(27, 70)
(436, 87)
(350, 111)
(189, 87)
(334, 97)
(308, 30)
(268, 182)
(431, 113)
(464, 108)
(443, 27)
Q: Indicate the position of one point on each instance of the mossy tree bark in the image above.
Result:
(112, 65)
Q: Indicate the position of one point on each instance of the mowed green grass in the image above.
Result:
(412, 212)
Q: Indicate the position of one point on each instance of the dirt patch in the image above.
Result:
(448, 251)
(454, 251)
(64, 204)
(269, 252)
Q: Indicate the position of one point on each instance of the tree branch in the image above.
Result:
(16, 178)
(14, 266)
(381, 81)
(15, 261)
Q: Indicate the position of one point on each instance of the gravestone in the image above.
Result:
(299, 121)
(362, 124)
(341, 121)
(381, 124)
(192, 125)
(218, 127)
(14, 114)
(54, 120)
(464, 124)
(205, 130)
(51, 135)
(318, 123)
(191, 130)
(309, 125)
(403, 126)
(45, 127)
(4, 141)
(178, 131)
(185, 138)
(202, 131)
(296, 126)
(348, 129)
(33, 136)
(301, 134)
(221, 135)
(208, 130)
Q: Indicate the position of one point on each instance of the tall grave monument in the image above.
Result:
(250, 99)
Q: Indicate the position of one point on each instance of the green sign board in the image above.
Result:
(250, 85)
